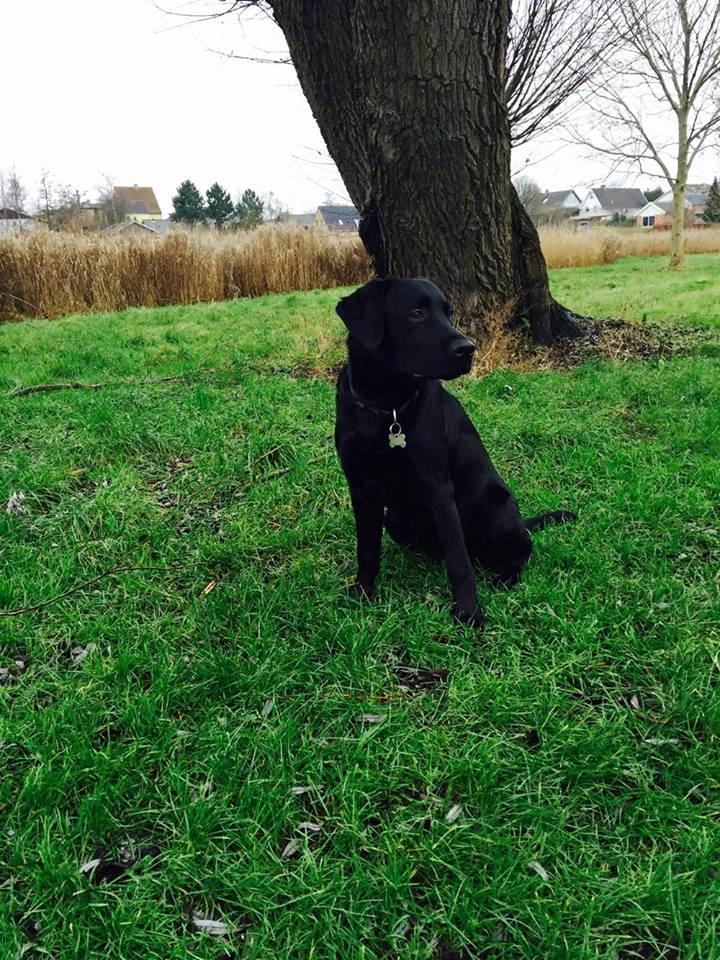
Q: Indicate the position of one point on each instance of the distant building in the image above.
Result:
(561, 198)
(159, 226)
(133, 228)
(338, 219)
(15, 221)
(654, 215)
(695, 199)
(658, 213)
(137, 203)
(92, 214)
(304, 220)
(555, 207)
(603, 204)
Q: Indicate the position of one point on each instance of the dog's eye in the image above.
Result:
(416, 314)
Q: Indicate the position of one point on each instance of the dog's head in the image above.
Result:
(407, 324)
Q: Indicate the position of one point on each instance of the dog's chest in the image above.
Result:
(398, 472)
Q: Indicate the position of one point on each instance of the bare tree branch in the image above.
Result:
(668, 53)
(553, 49)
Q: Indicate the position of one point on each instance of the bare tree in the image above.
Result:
(273, 206)
(530, 195)
(112, 211)
(553, 48)
(15, 192)
(664, 75)
(46, 201)
(59, 206)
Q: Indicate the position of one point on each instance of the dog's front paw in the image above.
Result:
(359, 590)
(473, 617)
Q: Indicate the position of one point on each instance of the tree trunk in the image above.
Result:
(677, 235)
(410, 98)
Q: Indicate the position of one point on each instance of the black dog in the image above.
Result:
(412, 458)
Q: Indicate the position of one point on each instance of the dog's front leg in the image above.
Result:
(368, 509)
(459, 566)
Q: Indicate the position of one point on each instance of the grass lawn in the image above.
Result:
(642, 288)
(235, 741)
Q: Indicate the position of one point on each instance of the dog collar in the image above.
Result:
(378, 411)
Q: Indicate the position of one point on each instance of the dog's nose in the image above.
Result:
(463, 349)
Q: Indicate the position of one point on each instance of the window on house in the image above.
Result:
(648, 221)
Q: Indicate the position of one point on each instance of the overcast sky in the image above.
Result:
(119, 87)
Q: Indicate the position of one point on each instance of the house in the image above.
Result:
(695, 200)
(137, 203)
(338, 219)
(605, 204)
(555, 207)
(92, 214)
(659, 214)
(15, 221)
(304, 220)
(133, 228)
(567, 199)
(654, 214)
(160, 226)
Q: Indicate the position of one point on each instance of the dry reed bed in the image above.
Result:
(46, 274)
(52, 274)
(566, 247)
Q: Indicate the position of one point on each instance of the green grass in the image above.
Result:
(578, 732)
(642, 288)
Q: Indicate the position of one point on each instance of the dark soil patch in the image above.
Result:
(619, 341)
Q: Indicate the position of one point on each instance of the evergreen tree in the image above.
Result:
(712, 204)
(188, 206)
(219, 205)
(654, 193)
(249, 210)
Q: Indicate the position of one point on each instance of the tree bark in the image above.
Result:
(410, 98)
(677, 234)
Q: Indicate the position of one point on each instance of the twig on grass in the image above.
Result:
(77, 385)
(120, 568)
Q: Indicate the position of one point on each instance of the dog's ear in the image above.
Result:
(363, 313)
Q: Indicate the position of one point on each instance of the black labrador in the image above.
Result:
(412, 458)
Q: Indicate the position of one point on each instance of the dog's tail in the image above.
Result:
(549, 519)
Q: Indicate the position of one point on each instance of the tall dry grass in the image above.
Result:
(46, 274)
(565, 246)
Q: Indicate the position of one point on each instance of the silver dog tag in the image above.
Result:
(396, 438)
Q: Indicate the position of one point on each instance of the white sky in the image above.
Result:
(121, 88)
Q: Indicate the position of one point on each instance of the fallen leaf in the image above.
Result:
(108, 871)
(267, 708)
(16, 503)
(453, 813)
(290, 849)
(216, 928)
(373, 717)
(79, 653)
(420, 678)
(634, 702)
(539, 869)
